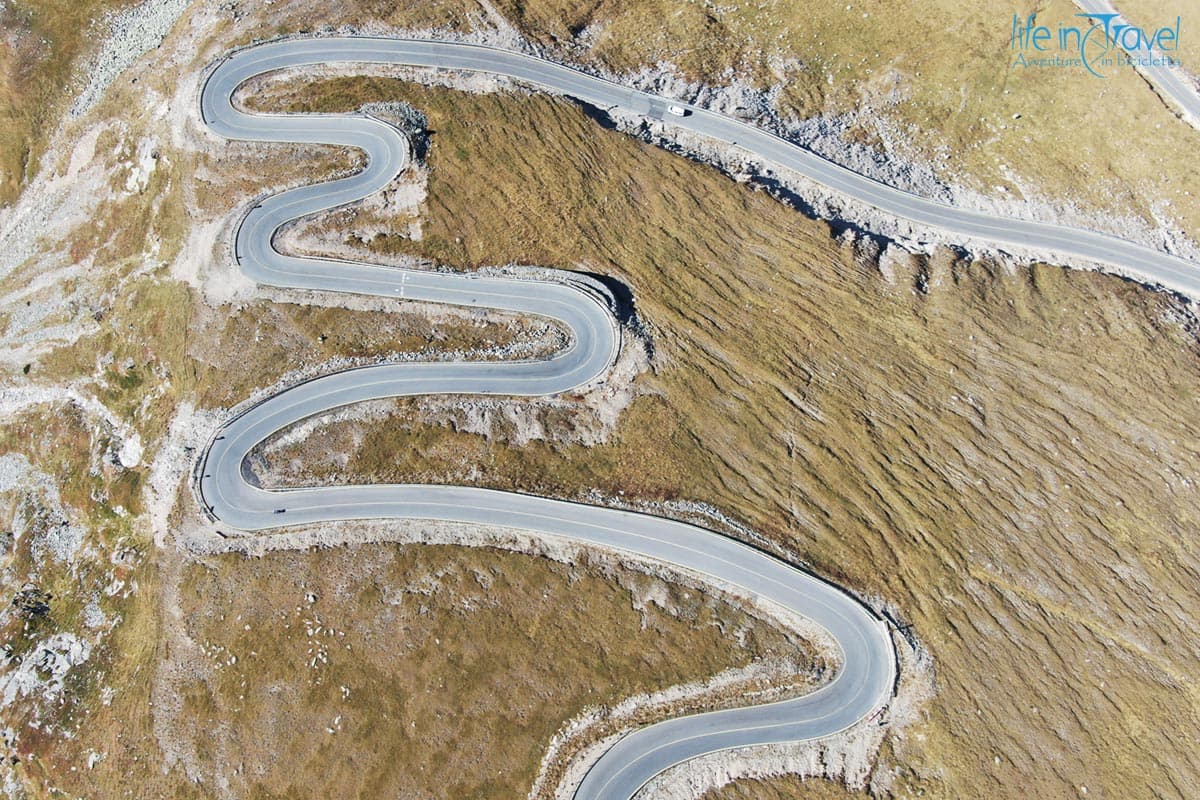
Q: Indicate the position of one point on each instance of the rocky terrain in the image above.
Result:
(1000, 454)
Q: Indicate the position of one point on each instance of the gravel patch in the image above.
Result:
(131, 34)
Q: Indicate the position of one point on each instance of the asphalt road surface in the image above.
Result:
(1169, 80)
(1053, 242)
(864, 680)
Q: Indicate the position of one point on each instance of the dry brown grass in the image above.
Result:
(1152, 14)
(935, 81)
(441, 671)
(41, 46)
(94, 507)
(154, 343)
(1010, 458)
(1007, 457)
(933, 78)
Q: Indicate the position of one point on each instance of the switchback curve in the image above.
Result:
(864, 679)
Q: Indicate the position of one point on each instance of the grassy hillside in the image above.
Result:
(105, 315)
(1007, 454)
(918, 83)
(41, 47)
(1004, 453)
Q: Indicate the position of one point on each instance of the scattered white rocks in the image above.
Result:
(55, 534)
(15, 399)
(93, 616)
(201, 256)
(622, 715)
(847, 757)
(43, 670)
(130, 454)
(383, 212)
(57, 537)
(15, 471)
(51, 202)
(141, 166)
(189, 431)
(131, 34)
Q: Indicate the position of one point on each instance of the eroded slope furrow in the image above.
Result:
(230, 492)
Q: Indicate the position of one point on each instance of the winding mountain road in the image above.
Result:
(1171, 81)
(864, 680)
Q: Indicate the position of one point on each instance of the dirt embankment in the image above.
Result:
(998, 449)
(1004, 452)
